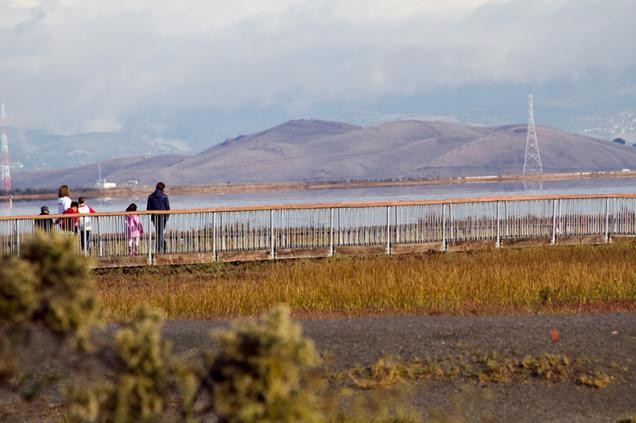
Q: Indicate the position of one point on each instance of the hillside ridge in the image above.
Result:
(317, 150)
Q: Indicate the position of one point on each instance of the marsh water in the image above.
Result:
(421, 192)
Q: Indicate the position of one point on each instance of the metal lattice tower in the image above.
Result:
(5, 171)
(532, 161)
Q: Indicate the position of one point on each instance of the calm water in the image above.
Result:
(598, 186)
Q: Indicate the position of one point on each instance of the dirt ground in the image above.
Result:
(609, 340)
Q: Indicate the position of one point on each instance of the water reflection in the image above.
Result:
(533, 187)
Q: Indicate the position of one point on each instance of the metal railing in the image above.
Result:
(272, 229)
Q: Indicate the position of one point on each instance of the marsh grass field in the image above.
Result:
(532, 334)
(556, 279)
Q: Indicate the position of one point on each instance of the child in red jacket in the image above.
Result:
(69, 223)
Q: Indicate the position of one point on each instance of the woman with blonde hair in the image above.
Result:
(63, 199)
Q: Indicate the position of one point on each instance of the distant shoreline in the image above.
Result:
(322, 185)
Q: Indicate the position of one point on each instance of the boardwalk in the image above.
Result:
(321, 230)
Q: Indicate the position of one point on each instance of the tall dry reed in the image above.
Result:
(554, 279)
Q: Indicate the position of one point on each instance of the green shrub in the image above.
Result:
(19, 294)
(260, 371)
(48, 289)
(141, 377)
(257, 373)
(68, 303)
(48, 285)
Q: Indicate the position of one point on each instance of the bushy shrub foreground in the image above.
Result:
(48, 286)
(260, 371)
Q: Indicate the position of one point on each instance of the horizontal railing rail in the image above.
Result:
(355, 204)
(272, 231)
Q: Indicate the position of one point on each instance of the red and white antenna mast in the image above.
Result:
(5, 171)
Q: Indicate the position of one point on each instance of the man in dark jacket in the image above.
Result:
(158, 200)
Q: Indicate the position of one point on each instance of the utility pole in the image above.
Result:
(6, 164)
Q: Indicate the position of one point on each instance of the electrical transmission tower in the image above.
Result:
(5, 171)
(532, 161)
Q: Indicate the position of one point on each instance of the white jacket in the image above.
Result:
(63, 203)
(84, 223)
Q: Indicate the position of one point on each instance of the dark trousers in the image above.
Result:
(159, 221)
(85, 239)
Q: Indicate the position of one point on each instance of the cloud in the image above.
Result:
(104, 124)
(67, 63)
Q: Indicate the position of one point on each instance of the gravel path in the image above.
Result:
(608, 339)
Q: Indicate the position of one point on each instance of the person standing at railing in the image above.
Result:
(157, 201)
(69, 223)
(44, 225)
(134, 230)
(63, 201)
(84, 225)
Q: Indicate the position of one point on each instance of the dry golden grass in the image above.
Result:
(481, 367)
(554, 279)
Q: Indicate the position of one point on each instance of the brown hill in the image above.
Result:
(303, 150)
(85, 176)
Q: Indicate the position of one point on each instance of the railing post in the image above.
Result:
(17, 236)
(149, 231)
(388, 229)
(507, 219)
(339, 230)
(615, 226)
(221, 231)
(607, 220)
(99, 235)
(554, 221)
(397, 226)
(451, 232)
(84, 236)
(443, 227)
(498, 243)
(559, 224)
(213, 236)
(330, 232)
(272, 253)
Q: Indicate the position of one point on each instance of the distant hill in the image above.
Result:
(85, 176)
(312, 150)
(36, 149)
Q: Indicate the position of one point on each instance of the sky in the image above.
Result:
(73, 66)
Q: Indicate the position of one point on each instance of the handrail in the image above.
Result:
(322, 229)
(353, 204)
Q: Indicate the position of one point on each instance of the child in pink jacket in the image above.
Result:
(134, 229)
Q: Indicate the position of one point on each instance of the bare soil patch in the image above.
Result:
(602, 342)
(608, 341)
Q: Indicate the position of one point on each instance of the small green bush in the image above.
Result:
(260, 371)
(257, 372)
(19, 295)
(68, 302)
(49, 285)
(146, 360)
(141, 378)
(48, 289)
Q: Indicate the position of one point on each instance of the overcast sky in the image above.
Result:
(81, 65)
